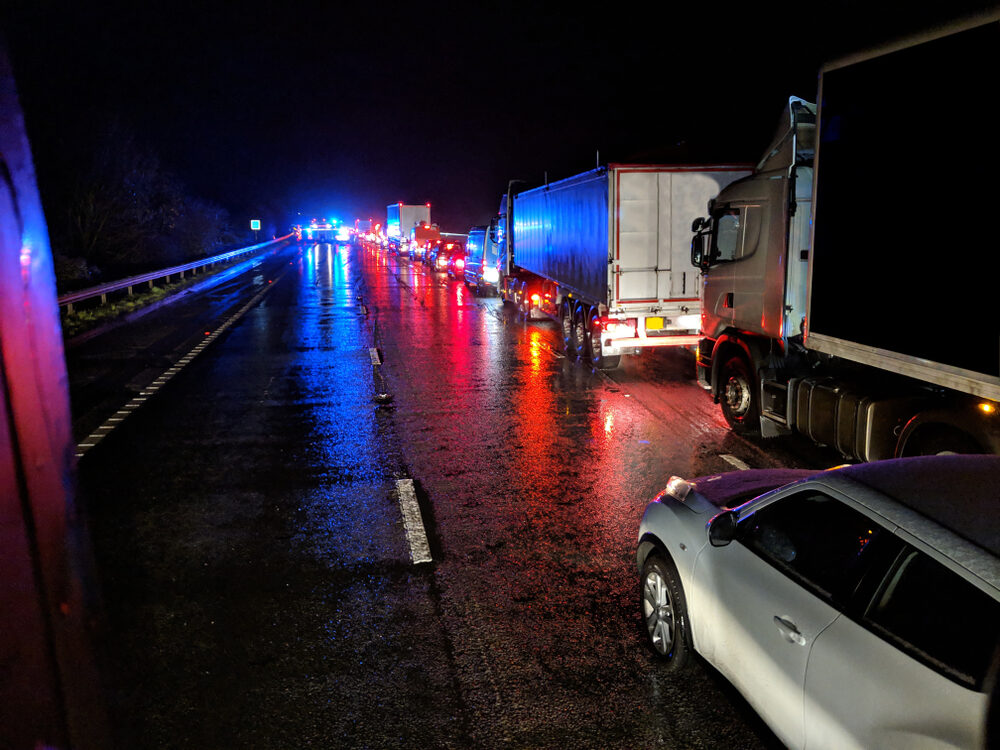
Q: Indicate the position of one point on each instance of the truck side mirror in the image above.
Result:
(698, 223)
(699, 257)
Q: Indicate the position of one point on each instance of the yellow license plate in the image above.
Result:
(654, 324)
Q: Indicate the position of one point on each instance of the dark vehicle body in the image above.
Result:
(441, 255)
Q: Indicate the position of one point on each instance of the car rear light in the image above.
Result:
(459, 263)
(536, 298)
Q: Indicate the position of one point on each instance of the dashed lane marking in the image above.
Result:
(733, 461)
(420, 550)
(109, 424)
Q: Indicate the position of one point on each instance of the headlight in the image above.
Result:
(491, 274)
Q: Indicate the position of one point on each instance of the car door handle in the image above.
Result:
(789, 631)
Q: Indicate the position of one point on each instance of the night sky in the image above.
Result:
(337, 110)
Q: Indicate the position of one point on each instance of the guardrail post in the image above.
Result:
(104, 299)
(129, 292)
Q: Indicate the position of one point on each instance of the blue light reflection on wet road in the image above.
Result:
(347, 516)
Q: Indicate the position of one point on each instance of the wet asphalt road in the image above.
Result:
(256, 576)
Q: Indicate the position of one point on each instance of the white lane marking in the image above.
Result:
(111, 422)
(733, 461)
(420, 550)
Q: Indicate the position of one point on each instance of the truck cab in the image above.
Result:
(756, 225)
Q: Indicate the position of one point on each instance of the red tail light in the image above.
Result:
(619, 328)
(459, 263)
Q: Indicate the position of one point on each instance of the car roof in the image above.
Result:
(961, 493)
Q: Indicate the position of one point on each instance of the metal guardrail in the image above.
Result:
(102, 290)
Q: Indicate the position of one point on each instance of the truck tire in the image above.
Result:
(580, 336)
(566, 320)
(931, 440)
(738, 396)
(597, 356)
(524, 303)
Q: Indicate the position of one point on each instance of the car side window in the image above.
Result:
(815, 539)
(936, 616)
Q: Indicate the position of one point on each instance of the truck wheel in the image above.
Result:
(738, 396)
(524, 303)
(941, 441)
(580, 335)
(566, 319)
(597, 356)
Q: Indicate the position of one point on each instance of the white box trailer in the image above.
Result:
(400, 218)
(607, 253)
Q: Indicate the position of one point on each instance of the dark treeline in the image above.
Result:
(113, 210)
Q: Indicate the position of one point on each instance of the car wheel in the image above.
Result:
(597, 356)
(739, 399)
(664, 613)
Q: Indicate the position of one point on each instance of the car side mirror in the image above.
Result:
(722, 528)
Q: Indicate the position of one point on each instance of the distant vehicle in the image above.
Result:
(363, 228)
(401, 218)
(318, 230)
(456, 260)
(826, 313)
(422, 237)
(606, 254)
(442, 254)
(482, 271)
(430, 251)
(854, 608)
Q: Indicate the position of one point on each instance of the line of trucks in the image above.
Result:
(843, 288)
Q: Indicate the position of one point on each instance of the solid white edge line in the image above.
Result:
(733, 461)
(416, 536)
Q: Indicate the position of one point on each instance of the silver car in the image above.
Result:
(854, 608)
